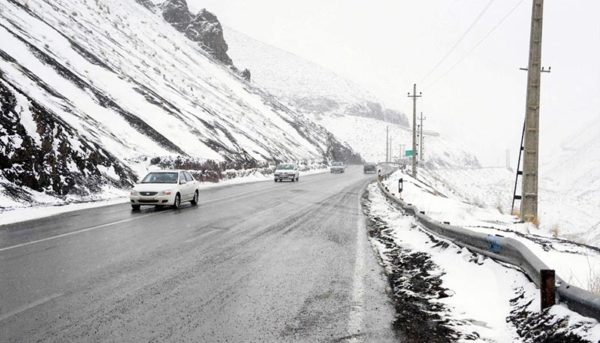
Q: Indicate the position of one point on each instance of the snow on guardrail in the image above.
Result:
(505, 249)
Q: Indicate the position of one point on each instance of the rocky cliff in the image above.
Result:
(203, 28)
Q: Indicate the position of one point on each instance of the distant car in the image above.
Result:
(287, 171)
(370, 168)
(337, 167)
(165, 188)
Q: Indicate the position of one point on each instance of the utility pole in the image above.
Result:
(391, 151)
(387, 143)
(414, 96)
(421, 137)
(529, 202)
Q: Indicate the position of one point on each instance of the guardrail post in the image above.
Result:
(547, 288)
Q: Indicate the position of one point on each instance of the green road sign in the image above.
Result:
(408, 153)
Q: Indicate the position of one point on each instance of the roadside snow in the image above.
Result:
(480, 289)
(489, 301)
(14, 212)
(463, 201)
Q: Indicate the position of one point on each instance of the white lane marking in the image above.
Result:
(255, 192)
(30, 306)
(110, 224)
(75, 232)
(202, 235)
(355, 321)
(124, 221)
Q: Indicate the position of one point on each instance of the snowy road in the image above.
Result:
(268, 262)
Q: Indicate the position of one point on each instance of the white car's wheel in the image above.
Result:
(177, 202)
(135, 207)
(194, 201)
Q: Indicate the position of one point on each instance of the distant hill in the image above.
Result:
(91, 91)
(306, 85)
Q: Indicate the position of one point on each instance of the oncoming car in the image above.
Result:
(287, 171)
(165, 188)
(370, 168)
(337, 167)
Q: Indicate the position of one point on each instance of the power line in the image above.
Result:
(429, 85)
(479, 16)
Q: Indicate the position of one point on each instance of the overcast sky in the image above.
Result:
(387, 45)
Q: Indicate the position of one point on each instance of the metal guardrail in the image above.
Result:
(505, 249)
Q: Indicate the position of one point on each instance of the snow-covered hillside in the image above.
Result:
(571, 181)
(306, 85)
(90, 90)
(351, 113)
(368, 137)
(576, 167)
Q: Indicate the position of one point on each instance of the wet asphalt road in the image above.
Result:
(260, 262)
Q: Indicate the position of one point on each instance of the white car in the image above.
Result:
(337, 167)
(165, 188)
(287, 171)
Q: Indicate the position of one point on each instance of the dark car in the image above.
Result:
(370, 168)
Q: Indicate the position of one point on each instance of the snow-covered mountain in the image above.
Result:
(570, 185)
(90, 90)
(351, 113)
(576, 167)
(306, 85)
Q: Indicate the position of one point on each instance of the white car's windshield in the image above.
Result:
(337, 164)
(160, 178)
(285, 167)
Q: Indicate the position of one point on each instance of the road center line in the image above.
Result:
(76, 232)
(30, 306)
(233, 196)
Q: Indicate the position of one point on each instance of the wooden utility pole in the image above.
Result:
(529, 201)
(414, 96)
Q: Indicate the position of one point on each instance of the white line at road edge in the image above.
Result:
(355, 320)
(127, 220)
(75, 232)
(30, 306)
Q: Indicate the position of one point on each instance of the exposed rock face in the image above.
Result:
(203, 28)
(40, 151)
(177, 14)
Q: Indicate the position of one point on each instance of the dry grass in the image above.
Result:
(555, 230)
(593, 278)
(536, 221)
(594, 284)
(499, 206)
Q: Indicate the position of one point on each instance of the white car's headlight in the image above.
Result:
(166, 192)
(134, 193)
